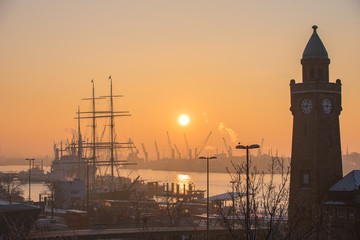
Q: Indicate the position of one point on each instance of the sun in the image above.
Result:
(184, 120)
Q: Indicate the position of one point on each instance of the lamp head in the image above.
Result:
(254, 146)
(207, 157)
(240, 147)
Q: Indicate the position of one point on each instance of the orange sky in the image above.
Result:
(226, 62)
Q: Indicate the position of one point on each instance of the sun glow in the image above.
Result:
(184, 120)
(183, 179)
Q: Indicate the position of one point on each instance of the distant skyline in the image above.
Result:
(225, 64)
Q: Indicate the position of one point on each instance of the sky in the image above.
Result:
(226, 64)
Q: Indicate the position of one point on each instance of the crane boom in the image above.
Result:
(177, 151)
(204, 144)
(188, 153)
(227, 148)
(157, 151)
(145, 152)
(169, 141)
(170, 146)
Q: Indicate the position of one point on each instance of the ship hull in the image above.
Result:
(114, 195)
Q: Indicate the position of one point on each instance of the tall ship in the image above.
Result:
(84, 160)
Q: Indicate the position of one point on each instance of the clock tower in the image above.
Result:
(316, 151)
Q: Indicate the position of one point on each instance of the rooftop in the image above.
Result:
(350, 182)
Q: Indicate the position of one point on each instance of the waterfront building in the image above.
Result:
(316, 162)
(341, 207)
(68, 193)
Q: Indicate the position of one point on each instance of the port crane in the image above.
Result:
(227, 148)
(146, 154)
(188, 151)
(203, 145)
(157, 152)
(177, 151)
(170, 146)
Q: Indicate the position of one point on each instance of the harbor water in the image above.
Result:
(219, 182)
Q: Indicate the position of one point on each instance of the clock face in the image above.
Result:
(306, 105)
(327, 106)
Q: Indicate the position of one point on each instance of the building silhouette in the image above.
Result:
(316, 162)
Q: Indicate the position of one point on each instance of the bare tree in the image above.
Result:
(50, 192)
(11, 188)
(173, 207)
(275, 198)
(268, 201)
(139, 205)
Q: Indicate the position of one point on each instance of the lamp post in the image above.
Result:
(207, 193)
(30, 159)
(233, 201)
(247, 217)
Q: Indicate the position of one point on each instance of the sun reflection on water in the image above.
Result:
(183, 180)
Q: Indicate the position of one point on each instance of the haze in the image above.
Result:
(225, 64)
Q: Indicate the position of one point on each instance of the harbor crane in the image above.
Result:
(227, 148)
(260, 152)
(188, 151)
(146, 154)
(170, 146)
(203, 146)
(157, 152)
(177, 151)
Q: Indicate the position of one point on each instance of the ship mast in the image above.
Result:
(93, 145)
(79, 145)
(112, 133)
(112, 124)
(94, 133)
(105, 145)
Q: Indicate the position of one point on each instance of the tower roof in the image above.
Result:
(315, 48)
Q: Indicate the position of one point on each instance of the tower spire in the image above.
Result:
(315, 47)
(315, 60)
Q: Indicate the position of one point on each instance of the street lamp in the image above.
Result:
(30, 159)
(247, 217)
(233, 201)
(207, 193)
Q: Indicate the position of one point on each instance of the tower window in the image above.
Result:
(351, 213)
(306, 179)
(305, 130)
(312, 73)
(341, 213)
(320, 74)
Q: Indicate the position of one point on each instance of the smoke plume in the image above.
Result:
(232, 134)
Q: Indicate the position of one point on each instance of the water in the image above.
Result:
(35, 188)
(219, 182)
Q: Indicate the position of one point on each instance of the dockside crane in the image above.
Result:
(146, 154)
(177, 151)
(170, 146)
(188, 151)
(260, 152)
(203, 146)
(227, 148)
(157, 152)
